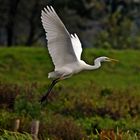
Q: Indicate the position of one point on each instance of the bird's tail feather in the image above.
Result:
(51, 74)
(54, 74)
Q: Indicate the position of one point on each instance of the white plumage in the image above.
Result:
(59, 41)
(76, 44)
(64, 48)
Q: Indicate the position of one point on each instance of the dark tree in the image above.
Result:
(20, 22)
(33, 23)
(12, 11)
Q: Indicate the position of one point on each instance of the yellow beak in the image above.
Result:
(113, 60)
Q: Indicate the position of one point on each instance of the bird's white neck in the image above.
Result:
(96, 65)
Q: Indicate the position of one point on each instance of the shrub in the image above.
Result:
(115, 35)
(6, 119)
(119, 135)
(8, 93)
(62, 128)
(8, 135)
(27, 103)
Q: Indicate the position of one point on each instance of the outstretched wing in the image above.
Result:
(59, 40)
(76, 44)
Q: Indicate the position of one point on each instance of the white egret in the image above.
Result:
(65, 49)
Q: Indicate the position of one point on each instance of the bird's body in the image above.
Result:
(73, 68)
(66, 70)
(64, 48)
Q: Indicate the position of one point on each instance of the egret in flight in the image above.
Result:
(65, 49)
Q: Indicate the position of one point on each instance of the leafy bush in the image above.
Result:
(103, 102)
(117, 35)
(119, 135)
(118, 106)
(8, 93)
(22, 100)
(6, 119)
(27, 106)
(8, 135)
(60, 127)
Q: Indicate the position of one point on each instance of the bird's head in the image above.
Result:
(106, 59)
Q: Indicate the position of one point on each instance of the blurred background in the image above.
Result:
(93, 105)
(99, 23)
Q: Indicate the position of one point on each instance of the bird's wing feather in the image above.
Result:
(76, 44)
(59, 39)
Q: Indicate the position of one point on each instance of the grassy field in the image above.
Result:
(20, 65)
(102, 100)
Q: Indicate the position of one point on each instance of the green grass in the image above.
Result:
(22, 65)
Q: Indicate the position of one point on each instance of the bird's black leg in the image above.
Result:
(49, 90)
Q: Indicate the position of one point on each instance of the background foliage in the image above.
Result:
(103, 23)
